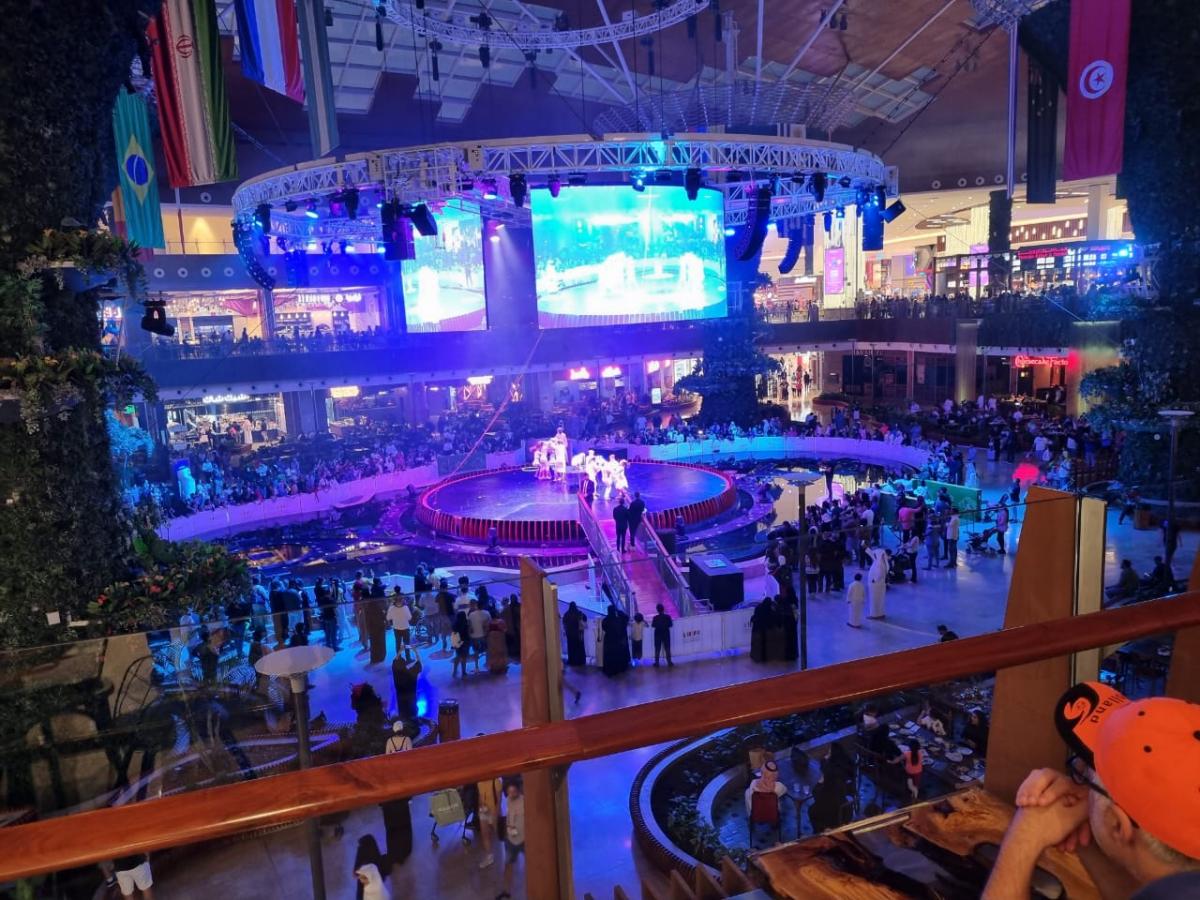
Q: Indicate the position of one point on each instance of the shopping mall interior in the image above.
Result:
(687, 449)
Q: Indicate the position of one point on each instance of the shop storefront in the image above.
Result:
(1081, 264)
(325, 313)
(245, 418)
(214, 316)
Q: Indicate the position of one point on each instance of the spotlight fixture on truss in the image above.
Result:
(554, 184)
(262, 217)
(517, 189)
(154, 319)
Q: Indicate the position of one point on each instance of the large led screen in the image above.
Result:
(612, 255)
(443, 285)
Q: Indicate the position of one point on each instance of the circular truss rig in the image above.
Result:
(819, 107)
(477, 29)
(340, 200)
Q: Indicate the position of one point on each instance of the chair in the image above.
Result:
(764, 810)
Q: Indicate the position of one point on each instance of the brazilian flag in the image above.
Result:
(135, 161)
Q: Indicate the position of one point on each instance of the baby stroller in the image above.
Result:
(445, 808)
(977, 542)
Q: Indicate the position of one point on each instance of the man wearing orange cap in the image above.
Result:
(1129, 805)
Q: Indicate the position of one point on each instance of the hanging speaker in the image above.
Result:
(872, 227)
(751, 241)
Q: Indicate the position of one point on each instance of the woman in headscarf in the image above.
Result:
(761, 620)
(369, 862)
(574, 623)
(616, 642)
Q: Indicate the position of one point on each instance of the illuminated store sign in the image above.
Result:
(610, 372)
(226, 398)
(1022, 360)
(344, 392)
(580, 374)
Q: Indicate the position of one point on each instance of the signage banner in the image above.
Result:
(835, 270)
(1097, 65)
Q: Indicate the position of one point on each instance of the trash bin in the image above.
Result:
(449, 728)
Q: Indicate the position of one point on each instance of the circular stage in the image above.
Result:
(524, 510)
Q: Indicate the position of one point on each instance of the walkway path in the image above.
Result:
(647, 585)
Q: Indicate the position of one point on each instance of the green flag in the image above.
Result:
(139, 180)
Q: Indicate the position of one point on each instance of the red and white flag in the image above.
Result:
(1097, 66)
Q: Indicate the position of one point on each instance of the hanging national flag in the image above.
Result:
(138, 179)
(193, 110)
(1097, 63)
(270, 45)
(318, 79)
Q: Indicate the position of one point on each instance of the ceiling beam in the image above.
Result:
(587, 67)
(908, 40)
(812, 39)
(617, 47)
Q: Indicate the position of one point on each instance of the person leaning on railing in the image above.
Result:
(1129, 804)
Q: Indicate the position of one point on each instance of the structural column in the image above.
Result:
(966, 359)
(304, 412)
(547, 813)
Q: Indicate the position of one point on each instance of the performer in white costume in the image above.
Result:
(541, 459)
(877, 581)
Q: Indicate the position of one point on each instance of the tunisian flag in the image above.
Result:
(1097, 65)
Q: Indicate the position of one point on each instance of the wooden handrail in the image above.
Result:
(56, 844)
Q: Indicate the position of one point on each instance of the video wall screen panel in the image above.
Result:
(443, 285)
(610, 255)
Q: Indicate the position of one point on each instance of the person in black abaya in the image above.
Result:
(616, 642)
(397, 830)
(406, 671)
(375, 619)
(574, 622)
(761, 621)
(368, 853)
(788, 619)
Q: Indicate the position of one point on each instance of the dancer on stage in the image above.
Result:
(541, 459)
(614, 476)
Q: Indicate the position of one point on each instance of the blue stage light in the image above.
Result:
(730, 232)
(311, 210)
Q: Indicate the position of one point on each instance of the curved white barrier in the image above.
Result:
(780, 448)
(229, 520)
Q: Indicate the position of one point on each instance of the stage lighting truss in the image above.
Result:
(461, 174)
(513, 29)
(1006, 13)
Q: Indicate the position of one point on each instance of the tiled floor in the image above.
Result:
(970, 600)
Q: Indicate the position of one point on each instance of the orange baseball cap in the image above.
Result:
(1147, 753)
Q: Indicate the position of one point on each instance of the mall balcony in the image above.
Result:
(638, 789)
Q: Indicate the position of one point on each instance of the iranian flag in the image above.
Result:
(193, 110)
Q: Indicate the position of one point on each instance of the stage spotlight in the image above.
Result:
(894, 211)
(396, 233)
(262, 216)
(154, 320)
(516, 188)
(290, 205)
(350, 200)
(691, 183)
(638, 182)
(490, 190)
(281, 243)
(817, 185)
(554, 185)
(311, 210)
(845, 181)
(423, 219)
(576, 179)
(841, 212)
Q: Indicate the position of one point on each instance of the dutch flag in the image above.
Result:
(270, 45)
